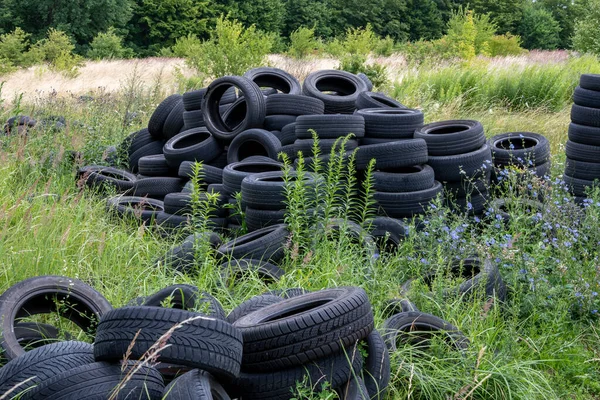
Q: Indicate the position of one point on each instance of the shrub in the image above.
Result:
(303, 42)
(485, 30)
(505, 45)
(384, 47)
(586, 37)
(539, 29)
(57, 50)
(462, 34)
(184, 47)
(231, 50)
(108, 45)
(14, 49)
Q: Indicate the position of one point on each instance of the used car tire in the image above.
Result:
(446, 138)
(346, 85)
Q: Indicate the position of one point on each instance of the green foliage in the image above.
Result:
(14, 49)
(482, 84)
(506, 14)
(565, 13)
(108, 45)
(231, 50)
(505, 45)
(586, 37)
(384, 47)
(81, 20)
(303, 43)
(301, 13)
(158, 24)
(184, 47)
(462, 34)
(485, 30)
(57, 50)
(265, 15)
(539, 29)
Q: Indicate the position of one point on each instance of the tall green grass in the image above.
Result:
(486, 83)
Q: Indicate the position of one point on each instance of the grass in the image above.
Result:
(541, 344)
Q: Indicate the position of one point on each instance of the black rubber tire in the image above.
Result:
(157, 187)
(347, 87)
(269, 77)
(152, 148)
(182, 257)
(582, 170)
(192, 100)
(174, 123)
(369, 140)
(584, 134)
(204, 342)
(135, 141)
(387, 232)
(208, 173)
(237, 269)
(305, 328)
(32, 335)
(251, 305)
(276, 122)
(396, 328)
(263, 244)
(234, 174)
(267, 190)
(405, 179)
(582, 152)
(587, 116)
(376, 368)
(84, 306)
(221, 161)
(586, 98)
(96, 381)
(290, 104)
(179, 203)
(452, 137)
(329, 126)
(366, 80)
(325, 146)
(288, 293)
(393, 155)
(482, 276)
(42, 363)
(195, 385)
(257, 219)
(192, 145)
(101, 178)
(407, 204)
(590, 81)
(155, 165)
(141, 208)
(287, 135)
(475, 204)
(354, 389)
(528, 149)
(255, 107)
(159, 117)
(463, 166)
(396, 123)
(577, 186)
(187, 297)
(376, 100)
(336, 369)
(193, 119)
(253, 142)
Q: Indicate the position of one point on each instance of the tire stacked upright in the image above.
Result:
(388, 124)
(582, 165)
(461, 160)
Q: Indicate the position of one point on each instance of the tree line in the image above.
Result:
(147, 26)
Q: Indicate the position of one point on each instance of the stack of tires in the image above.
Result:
(582, 166)
(461, 160)
(524, 150)
(283, 346)
(329, 130)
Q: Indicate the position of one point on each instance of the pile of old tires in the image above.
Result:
(582, 165)
(523, 151)
(259, 351)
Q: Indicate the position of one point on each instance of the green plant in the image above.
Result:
(15, 49)
(108, 45)
(303, 43)
(57, 50)
(505, 45)
(231, 50)
(384, 47)
(539, 29)
(184, 47)
(586, 36)
(462, 34)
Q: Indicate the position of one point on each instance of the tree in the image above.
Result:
(586, 35)
(506, 14)
(565, 12)
(159, 23)
(80, 19)
(426, 20)
(266, 15)
(539, 29)
(310, 13)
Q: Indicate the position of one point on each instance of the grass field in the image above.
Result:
(543, 343)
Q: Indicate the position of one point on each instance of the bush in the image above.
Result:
(231, 50)
(108, 45)
(184, 47)
(14, 49)
(303, 43)
(384, 47)
(586, 37)
(539, 29)
(462, 34)
(57, 50)
(505, 45)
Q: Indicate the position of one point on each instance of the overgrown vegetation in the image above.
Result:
(541, 344)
